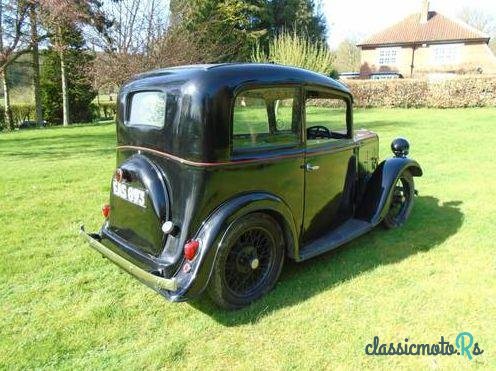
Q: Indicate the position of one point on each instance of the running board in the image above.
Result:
(335, 238)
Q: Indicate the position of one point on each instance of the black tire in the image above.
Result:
(401, 204)
(249, 261)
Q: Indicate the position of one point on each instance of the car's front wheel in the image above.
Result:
(249, 261)
(401, 201)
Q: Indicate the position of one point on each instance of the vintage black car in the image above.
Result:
(223, 171)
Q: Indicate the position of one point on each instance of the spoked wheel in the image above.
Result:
(401, 201)
(249, 262)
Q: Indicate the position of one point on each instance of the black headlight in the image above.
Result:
(400, 147)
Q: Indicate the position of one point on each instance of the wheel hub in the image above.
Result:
(247, 259)
(254, 264)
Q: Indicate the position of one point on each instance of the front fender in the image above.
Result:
(214, 228)
(378, 192)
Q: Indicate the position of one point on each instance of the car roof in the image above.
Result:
(237, 74)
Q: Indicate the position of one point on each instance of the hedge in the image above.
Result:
(20, 112)
(472, 91)
(452, 93)
(106, 109)
(26, 112)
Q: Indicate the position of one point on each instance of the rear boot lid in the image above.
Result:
(139, 204)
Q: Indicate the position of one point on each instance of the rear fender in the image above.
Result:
(214, 229)
(378, 192)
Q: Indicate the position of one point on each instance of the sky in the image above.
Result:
(357, 19)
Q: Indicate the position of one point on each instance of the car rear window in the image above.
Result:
(147, 108)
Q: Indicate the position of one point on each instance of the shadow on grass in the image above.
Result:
(430, 224)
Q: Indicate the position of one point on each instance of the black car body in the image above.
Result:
(202, 147)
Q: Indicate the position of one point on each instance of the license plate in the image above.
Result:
(128, 193)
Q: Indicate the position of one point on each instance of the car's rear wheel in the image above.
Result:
(401, 203)
(249, 262)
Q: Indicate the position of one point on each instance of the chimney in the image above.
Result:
(424, 14)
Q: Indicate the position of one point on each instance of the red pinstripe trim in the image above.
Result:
(205, 164)
(171, 157)
(210, 164)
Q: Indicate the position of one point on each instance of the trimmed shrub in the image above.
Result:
(106, 110)
(472, 91)
(20, 112)
(463, 92)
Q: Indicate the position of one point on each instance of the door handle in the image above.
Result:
(309, 167)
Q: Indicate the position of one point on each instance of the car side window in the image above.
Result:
(325, 116)
(265, 118)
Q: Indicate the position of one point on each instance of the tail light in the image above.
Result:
(119, 175)
(191, 248)
(106, 210)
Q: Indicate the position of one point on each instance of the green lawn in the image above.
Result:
(64, 306)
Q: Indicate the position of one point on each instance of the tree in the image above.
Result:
(79, 90)
(478, 19)
(293, 50)
(230, 28)
(6, 100)
(347, 56)
(301, 16)
(62, 18)
(482, 21)
(5, 82)
(139, 30)
(35, 56)
(13, 24)
(146, 36)
(136, 24)
(111, 68)
(227, 29)
(19, 35)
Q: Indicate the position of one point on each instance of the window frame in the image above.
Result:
(455, 48)
(129, 103)
(244, 151)
(333, 94)
(397, 51)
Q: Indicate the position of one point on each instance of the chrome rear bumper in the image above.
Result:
(155, 282)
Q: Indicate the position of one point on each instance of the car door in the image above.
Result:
(330, 162)
(267, 127)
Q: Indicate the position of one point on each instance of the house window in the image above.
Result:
(388, 56)
(446, 53)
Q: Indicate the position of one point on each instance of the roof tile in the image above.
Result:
(437, 28)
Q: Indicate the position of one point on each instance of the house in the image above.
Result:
(427, 43)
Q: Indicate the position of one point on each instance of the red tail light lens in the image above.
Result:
(106, 210)
(191, 248)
